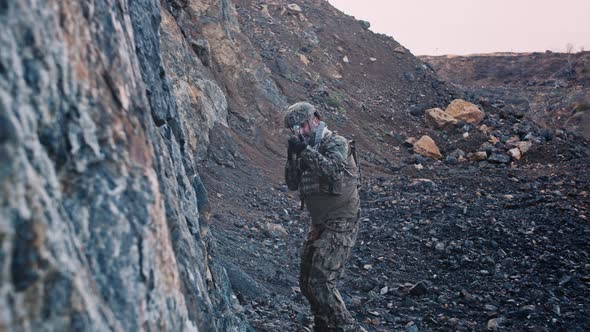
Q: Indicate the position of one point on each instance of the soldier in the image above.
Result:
(322, 165)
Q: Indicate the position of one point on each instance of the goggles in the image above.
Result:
(296, 128)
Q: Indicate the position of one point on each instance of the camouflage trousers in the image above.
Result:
(324, 253)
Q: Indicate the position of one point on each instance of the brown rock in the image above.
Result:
(465, 111)
(524, 146)
(303, 59)
(478, 156)
(485, 129)
(515, 153)
(436, 117)
(426, 147)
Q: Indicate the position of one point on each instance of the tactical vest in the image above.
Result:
(313, 183)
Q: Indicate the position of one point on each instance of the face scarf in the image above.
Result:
(318, 134)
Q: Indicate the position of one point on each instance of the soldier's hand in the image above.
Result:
(296, 145)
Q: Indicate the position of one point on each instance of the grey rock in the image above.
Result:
(490, 307)
(487, 147)
(451, 160)
(365, 24)
(419, 289)
(499, 158)
(104, 224)
(202, 50)
(458, 153)
(495, 324)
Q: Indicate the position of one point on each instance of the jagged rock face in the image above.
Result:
(101, 206)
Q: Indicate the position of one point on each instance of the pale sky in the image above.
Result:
(434, 27)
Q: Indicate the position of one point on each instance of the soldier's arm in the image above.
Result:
(331, 164)
(292, 174)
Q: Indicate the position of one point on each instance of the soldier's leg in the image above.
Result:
(331, 252)
(305, 266)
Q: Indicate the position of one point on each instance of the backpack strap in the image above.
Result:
(352, 151)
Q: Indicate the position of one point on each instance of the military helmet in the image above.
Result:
(299, 113)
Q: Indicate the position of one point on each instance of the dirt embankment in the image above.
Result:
(550, 89)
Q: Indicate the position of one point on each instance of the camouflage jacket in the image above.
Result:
(327, 178)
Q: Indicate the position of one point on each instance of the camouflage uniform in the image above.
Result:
(328, 185)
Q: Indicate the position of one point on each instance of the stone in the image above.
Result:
(490, 307)
(495, 324)
(373, 59)
(531, 137)
(499, 158)
(452, 160)
(275, 230)
(515, 153)
(523, 146)
(485, 129)
(410, 141)
(457, 153)
(294, 8)
(365, 24)
(303, 59)
(486, 146)
(437, 118)
(400, 49)
(416, 111)
(418, 289)
(411, 327)
(426, 147)
(478, 156)
(465, 111)
(345, 59)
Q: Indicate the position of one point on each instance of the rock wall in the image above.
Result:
(102, 211)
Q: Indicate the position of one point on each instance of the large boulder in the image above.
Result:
(465, 111)
(437, 118)
(426, 147)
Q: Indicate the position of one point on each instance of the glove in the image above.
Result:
(296, 145)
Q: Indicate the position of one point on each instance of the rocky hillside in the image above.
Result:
(550, 89)
(113, 113)
(141, 175)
